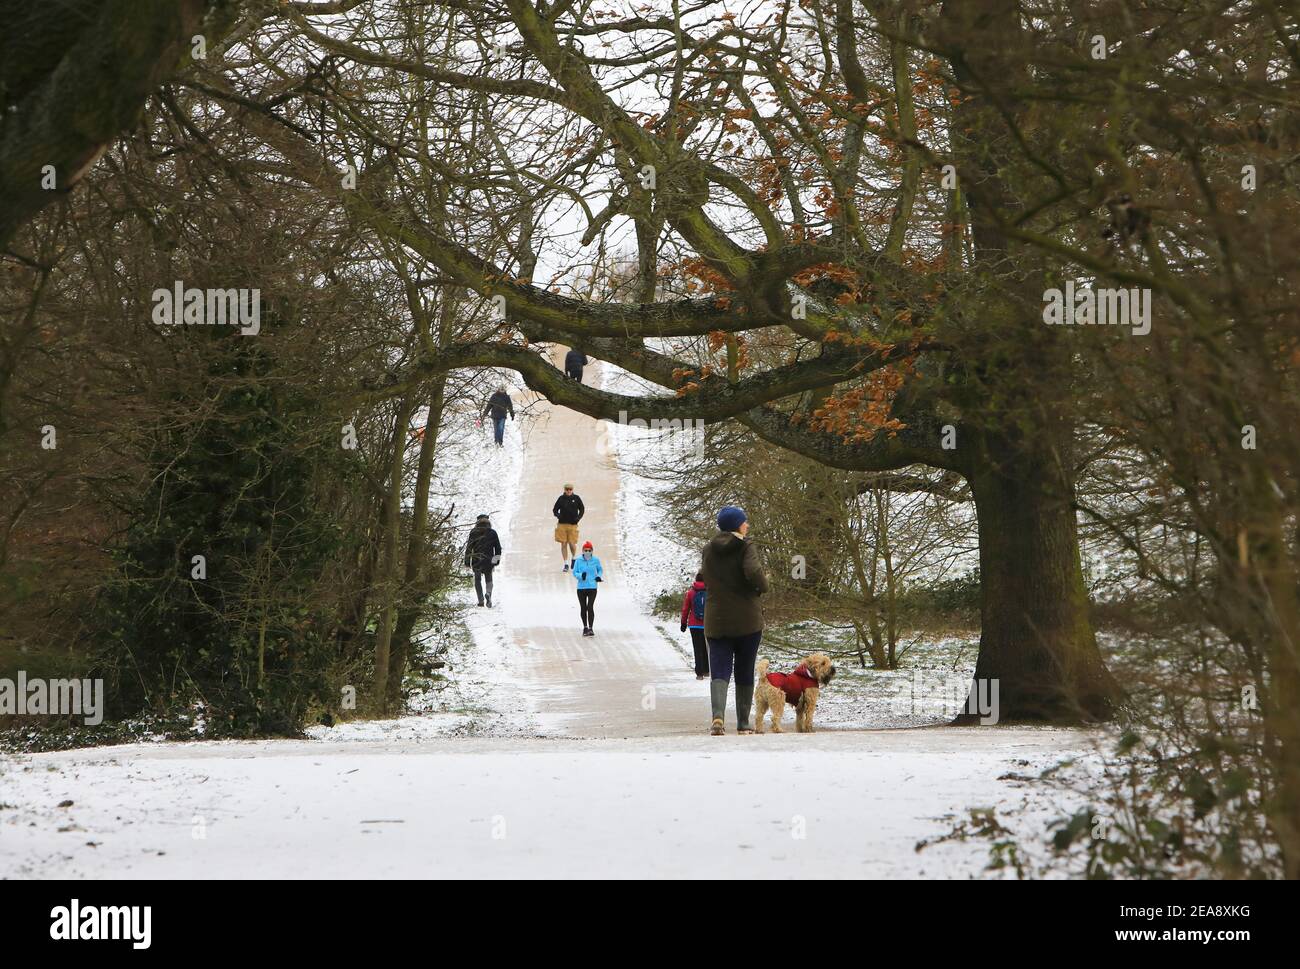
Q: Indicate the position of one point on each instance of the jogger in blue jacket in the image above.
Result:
(588, 571)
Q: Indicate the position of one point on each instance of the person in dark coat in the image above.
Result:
(568, 511)
(574, 361)
(693, 619)
(483, 554)
(499, 405)
(733, 621)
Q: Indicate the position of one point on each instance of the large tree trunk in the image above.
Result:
(1036, 639)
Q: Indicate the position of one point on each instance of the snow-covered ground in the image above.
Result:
(826, 805)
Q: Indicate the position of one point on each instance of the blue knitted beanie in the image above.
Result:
(731, 518)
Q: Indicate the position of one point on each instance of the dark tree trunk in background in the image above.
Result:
(415, 585)
(352, 623)
(388, 577)
(1036, 638)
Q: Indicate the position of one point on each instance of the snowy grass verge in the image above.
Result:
(477, 690)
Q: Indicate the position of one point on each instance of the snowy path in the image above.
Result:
(622, 782)
(626, 681)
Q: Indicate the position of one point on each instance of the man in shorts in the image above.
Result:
(568, 512)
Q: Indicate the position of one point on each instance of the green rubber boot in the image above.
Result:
(744, 700)
(718, 697)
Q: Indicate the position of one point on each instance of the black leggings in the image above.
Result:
(701, 647)
(587, 606)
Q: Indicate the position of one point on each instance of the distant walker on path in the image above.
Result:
(693, 619)
(574, 361)
(499, 405)
(482, 555)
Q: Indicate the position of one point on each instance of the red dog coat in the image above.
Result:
(793, 684)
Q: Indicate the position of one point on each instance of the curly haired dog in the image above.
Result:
(772, 691)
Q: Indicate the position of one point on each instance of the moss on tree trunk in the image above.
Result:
(1036, 638)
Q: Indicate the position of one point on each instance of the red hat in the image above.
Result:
(587, 545)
